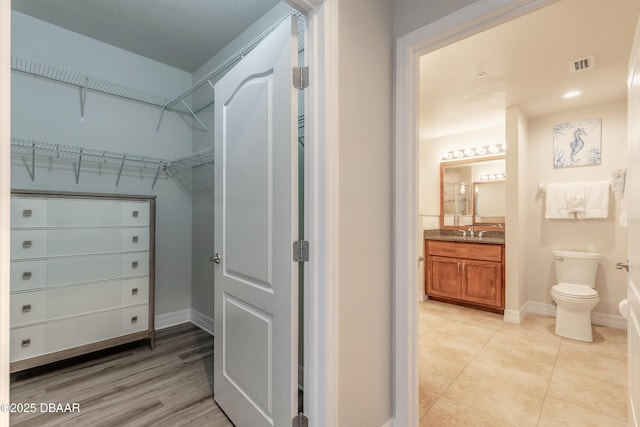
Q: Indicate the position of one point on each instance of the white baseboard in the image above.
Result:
(601, 319)
(202, 321)
(166, 320)
(541, 308)
(174, 318)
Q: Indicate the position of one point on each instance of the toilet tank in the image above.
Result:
(576, 267)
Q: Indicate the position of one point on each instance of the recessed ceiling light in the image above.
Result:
(571, 94)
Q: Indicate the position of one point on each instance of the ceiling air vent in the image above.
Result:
(582, 64)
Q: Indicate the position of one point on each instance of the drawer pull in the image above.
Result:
(134, 319)
(26, 308)
(26, 275)
(26, 343)
(134, 264)
(27, 213)
(26, 244)
(134, 291)
(134, 239)
(135, 214)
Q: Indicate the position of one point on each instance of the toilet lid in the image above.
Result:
(575, 291)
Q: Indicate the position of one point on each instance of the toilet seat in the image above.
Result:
(572, 290)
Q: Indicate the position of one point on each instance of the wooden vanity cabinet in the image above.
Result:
(465, 273)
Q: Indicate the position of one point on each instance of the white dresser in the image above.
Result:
(82, 274)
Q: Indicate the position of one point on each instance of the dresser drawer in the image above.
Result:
(65, 212)
(135, 264)
(27, 212)
(26, 275)
(135, 239)
(26, 342)
(28, 307)
(82, 269)
(82, 299)
(28, 244)
(135, 319)
(135, 213)
(76, 331)
(135, 291)
(78, 241)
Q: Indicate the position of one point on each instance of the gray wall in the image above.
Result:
(46, 111)
(409, 15)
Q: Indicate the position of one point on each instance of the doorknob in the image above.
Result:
(216, 258)
(623, 265)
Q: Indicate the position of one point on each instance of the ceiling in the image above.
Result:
(183, 34)
(525, 63)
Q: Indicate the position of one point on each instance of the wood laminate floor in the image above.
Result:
(169, 386)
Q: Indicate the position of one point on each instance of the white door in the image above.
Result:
(256, 221)
(633, 199)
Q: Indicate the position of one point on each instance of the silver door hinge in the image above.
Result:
(301, 251)
(300, 77)
(300, 420)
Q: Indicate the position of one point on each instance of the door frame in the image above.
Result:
(470, 20)
(321, 298)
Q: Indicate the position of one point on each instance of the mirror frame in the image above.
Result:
(481, 226)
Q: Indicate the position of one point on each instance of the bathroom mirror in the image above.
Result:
(489, 202)
(466, 189)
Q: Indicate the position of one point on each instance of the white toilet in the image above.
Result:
(574, 293)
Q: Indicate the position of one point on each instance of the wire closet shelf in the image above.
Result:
(30, 150)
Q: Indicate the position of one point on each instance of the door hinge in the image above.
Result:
(301, 251)
(300, 420)
(300, 77)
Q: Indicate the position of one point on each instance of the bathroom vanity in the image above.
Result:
(465, 270)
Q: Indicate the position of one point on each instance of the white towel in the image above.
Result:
(623, 218)
(575, 197)
(618, 182)
(556, 202)
(596, 200)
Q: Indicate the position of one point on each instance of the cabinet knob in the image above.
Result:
(134, 319)
(26, 308)
(27, 213)
(26, 275)
(135, 214)
(134, 291)
(134, 239)
(134, 264)
(26, 343)
(26, 244)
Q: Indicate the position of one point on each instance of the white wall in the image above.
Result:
(50, 112)
(365, 212)
(597, 235)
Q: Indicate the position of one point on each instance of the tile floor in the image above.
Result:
(476, 370)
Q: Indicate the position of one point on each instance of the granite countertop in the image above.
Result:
(452, 235)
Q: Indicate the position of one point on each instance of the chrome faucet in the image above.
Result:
(471, 231)
(481, 233)
(464, 233)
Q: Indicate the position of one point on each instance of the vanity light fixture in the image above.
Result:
(493, 176)
(474, 152)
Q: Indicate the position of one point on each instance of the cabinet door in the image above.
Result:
(482, 282)
(445, 278)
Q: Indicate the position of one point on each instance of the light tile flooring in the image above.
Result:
(476, 370)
